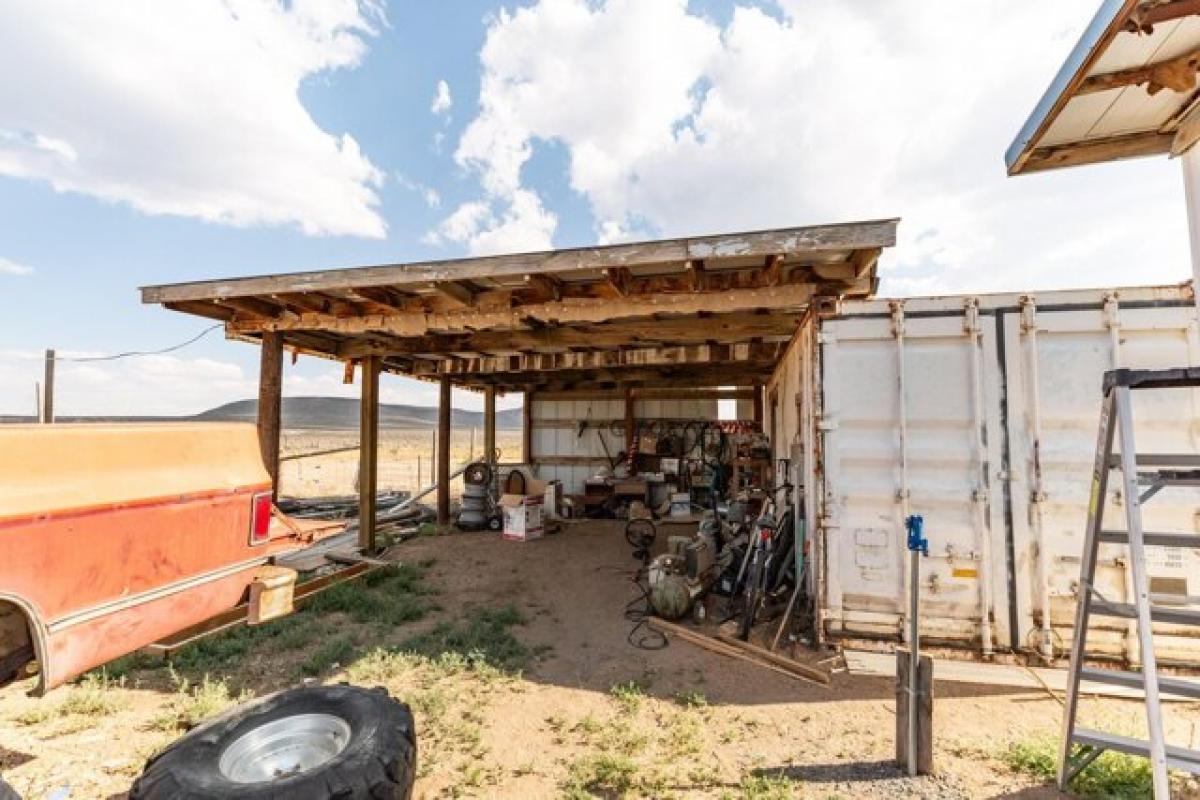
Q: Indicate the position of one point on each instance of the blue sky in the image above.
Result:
(570, 122)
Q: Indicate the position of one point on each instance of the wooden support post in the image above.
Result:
(630, 424)
(527, 429)
(368, 453)
(924, 706)
(489, 425)
(270, 404)
(48, 389)
(758, 404)
(443, 453)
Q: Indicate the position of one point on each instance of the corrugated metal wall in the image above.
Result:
(988, 382)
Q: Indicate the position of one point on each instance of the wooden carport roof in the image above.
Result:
(705, 311)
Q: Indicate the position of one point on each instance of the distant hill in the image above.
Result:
(334, 413)
(319, 413)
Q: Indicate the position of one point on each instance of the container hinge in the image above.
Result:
(897, 307)
(1112, 311)
(1028, 314)
(971, 315)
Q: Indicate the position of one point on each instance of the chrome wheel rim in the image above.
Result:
(284, 747)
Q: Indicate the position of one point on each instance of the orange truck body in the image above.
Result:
(115, 536)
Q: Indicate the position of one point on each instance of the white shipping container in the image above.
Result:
(980, 414)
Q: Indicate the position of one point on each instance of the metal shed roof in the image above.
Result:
(1127, 89)
(704, 311)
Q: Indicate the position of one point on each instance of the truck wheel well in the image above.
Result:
(18, 646)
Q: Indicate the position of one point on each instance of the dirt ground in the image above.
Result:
(405, 459)
(588, 714)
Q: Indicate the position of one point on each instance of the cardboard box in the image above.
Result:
(522, 516)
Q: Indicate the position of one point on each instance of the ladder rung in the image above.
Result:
(1172, 616)
(1187, 540)
(1133, 680)
(1159, 460)
(1177, 757)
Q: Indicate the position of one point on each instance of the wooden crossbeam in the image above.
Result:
(773, 270)
(1110, 148)
(789, 297)
(694, 268)
(716, 329)
(253, 307)
(1149, 14)
(863, 261)
(548, 287)
(620, 280)
(748, 352)
(455, 291)
(656, 378)
(1177, 74)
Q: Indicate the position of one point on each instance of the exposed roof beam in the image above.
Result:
(1149, 14)
(566, 312)
(455, 291)
(619, 279)
(716, 329)
(1177, 74)
(749, 352)
(694, 267)
(1133, 145)
(548, 287)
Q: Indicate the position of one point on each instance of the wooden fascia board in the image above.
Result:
(812, 239)
(1134, 145)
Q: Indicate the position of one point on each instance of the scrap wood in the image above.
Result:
(721, 648)
(783, 662)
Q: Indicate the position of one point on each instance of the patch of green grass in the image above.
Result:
(1112, 776)
(335, 652)
(607, 774)
(194, 702)
(692, 699)
(480, 637)
(387, 597)
(629, 696)
(767, 787)
(381, 666)
(95, 695)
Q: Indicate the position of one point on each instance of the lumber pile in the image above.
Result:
(731, 647)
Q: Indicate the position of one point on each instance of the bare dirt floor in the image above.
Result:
(515, 659)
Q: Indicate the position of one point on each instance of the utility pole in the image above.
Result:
(48, 390)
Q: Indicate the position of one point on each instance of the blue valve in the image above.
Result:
(915, 525)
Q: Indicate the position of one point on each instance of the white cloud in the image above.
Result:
(188, 109)
(816, 112)
(442, 101)
(523, 225)
(430, 195)
(8, 267)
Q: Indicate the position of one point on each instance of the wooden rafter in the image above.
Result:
(716, 329)
(546, 287)
(455, 291)
(1177, 74)
(1151, 13)
(566, 312)
(705, 354)
(1132, 145)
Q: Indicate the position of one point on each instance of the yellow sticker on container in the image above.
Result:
(965, 572)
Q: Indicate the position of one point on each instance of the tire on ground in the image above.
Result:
(378, 759)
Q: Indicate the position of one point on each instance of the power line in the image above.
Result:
(133, 353)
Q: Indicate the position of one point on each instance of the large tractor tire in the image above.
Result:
(313, 743)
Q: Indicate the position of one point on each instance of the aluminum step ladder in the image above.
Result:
(1142, 477)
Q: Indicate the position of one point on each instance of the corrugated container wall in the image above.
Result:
(572, 438)
(980, 414)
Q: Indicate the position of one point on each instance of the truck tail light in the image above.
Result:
(260, 518)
